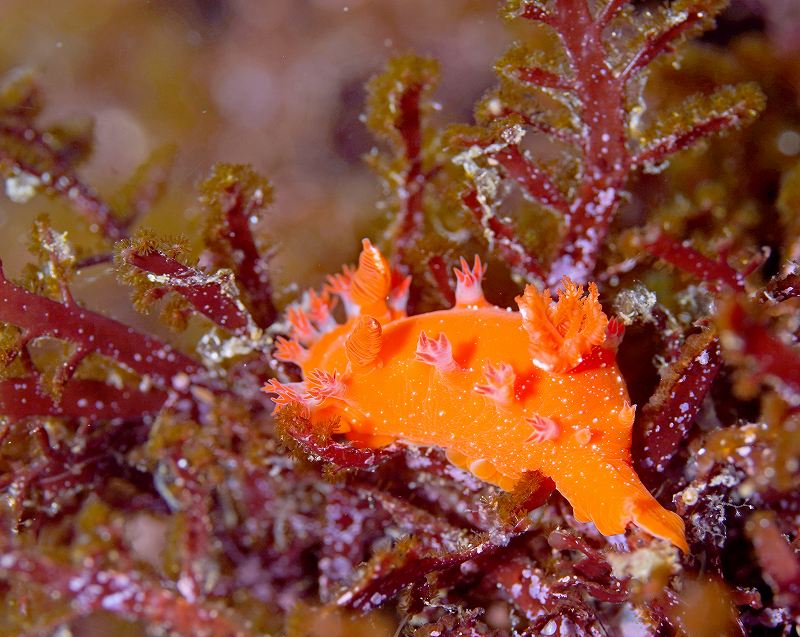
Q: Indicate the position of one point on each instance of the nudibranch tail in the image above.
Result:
(610, 495)
(657, 521)
(562, 333)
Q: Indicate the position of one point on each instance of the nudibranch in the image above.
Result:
(502, 392)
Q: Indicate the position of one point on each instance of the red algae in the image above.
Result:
(430, 463)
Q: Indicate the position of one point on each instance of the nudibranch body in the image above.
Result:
(502, 392)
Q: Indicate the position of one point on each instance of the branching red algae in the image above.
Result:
(272, 525)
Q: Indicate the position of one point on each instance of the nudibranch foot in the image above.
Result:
(480, 468)
(503, 393)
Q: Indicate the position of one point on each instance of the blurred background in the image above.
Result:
(275, 83)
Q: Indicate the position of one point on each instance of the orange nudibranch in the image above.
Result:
(502, 392)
